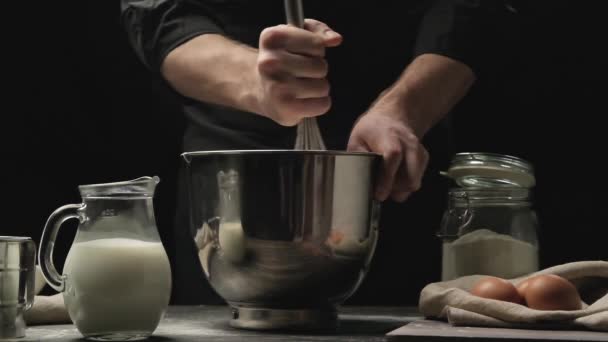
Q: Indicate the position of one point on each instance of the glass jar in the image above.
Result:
(489, 226)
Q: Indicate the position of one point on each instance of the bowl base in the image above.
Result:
(310, 320)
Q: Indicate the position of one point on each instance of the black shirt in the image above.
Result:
(380, 38)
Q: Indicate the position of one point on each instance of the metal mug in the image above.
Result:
(17, 284)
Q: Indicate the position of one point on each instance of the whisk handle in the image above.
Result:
(294, 11)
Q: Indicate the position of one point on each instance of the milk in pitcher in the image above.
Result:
(117, 284)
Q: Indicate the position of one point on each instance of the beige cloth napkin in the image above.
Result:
(451, 301)
(46, 309)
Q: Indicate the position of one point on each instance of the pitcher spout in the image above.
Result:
(142, 186)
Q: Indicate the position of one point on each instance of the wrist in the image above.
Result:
(427, 90)
(401, 104)
(250, 96)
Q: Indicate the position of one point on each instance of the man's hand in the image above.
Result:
(284, 80)
(395, 124)
(405, 158)
(292, 71)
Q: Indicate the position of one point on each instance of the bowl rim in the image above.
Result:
(282, 152)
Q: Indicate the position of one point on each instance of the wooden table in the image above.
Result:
(210, 323)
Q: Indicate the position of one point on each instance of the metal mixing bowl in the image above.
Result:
(284, 236)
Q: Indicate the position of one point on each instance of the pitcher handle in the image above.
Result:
(47, 243)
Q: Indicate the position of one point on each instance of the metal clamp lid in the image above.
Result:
(475, 169)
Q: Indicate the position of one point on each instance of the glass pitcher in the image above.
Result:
(116, 280)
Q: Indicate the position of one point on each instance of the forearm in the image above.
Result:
(427, 90)
(214, 69)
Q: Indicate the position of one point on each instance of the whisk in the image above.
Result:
(308, 135)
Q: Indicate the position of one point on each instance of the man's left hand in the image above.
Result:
(404, 157)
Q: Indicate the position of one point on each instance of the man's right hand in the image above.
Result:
(292, 70)
(284, 80)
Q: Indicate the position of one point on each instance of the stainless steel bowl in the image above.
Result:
(284, 236)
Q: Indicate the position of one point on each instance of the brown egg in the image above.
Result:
(522, 287)
(551, 292)
(496, 288)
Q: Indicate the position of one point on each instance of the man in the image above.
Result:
(379, 76)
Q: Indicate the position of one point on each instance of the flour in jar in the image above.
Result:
(489, 253)
(117, 285)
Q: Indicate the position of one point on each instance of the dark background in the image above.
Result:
(80, 108)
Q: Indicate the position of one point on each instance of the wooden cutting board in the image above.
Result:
(435, 331)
